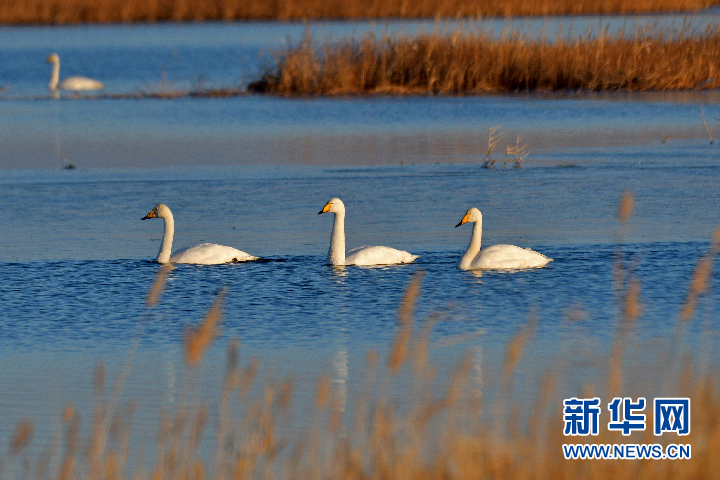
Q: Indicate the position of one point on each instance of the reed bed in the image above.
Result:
(415, 431)
(476, 63)
(103, 11)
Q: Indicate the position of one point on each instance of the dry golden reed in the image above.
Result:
(701, 278)
(516, 347)
(476, 63)
(399, 350)
(626, 206)
(21, 437)
(153, 295)
(494, 137)
(199, 339)
(632, 306)
(100, 11)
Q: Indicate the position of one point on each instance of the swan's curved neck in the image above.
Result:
(55, 76)
(336, 254)
(474, 247)
(166, 247)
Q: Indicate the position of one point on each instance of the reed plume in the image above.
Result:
(199, 339)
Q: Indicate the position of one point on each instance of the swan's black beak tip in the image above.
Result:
(152, 214)
(320, 212)
(458, 224)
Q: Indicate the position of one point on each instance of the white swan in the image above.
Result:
(203, 254)
(362, 255)
(496, 256)
(76, 84)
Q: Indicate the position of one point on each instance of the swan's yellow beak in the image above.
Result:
(464, 220)
(152, 214)
(325, 209)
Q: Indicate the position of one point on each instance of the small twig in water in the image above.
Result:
(68, 165)
(494, 137)
(707, 128)
(518, 151)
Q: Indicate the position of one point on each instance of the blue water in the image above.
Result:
(77, 263)
(252, 172)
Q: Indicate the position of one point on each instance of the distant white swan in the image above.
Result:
(203, 254)
(495, 256)
(76, 84)
(362, 255)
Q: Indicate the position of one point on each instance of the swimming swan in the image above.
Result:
(203, 254)
(71, 83)
(495, 256)
(362, 255)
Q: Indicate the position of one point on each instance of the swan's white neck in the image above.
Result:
(166, 247)
(55, 76)
(473, 248)
(336, 254)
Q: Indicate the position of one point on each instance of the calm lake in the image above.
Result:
(252, 172)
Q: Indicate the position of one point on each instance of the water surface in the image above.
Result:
(252, 172)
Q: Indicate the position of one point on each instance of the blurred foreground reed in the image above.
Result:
(103, 11)
(472, 63)
(416, 431)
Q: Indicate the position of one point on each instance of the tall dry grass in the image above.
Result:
(433, 429)
(472, 63)
(80, 11)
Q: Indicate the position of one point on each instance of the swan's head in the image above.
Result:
(334, 205)
(52, 58)
(472, 215)
(161, 211)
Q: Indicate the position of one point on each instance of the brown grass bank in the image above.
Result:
(462, 63)
(103, 11)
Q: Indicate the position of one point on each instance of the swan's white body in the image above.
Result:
(496, 256)
(77, 84)
(203, 254)
(358, 256)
